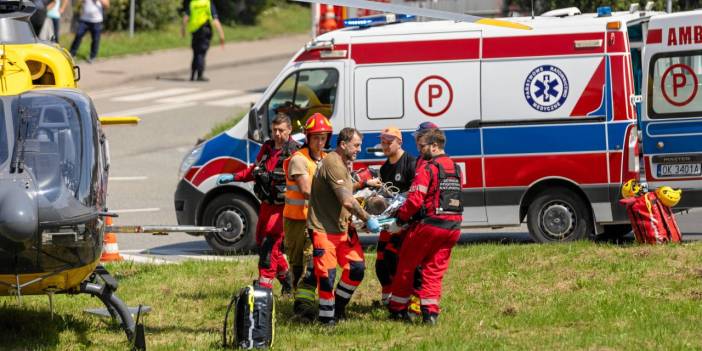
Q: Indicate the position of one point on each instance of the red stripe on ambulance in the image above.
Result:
(217, 166)
(540, 45)
(416, 51)
(591, 98)
(523, 170)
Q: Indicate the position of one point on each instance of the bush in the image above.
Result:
(244, 12)
(149, 14)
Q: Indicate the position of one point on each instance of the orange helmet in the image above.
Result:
(318, 124)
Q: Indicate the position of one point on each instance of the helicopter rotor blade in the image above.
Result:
(409, 10)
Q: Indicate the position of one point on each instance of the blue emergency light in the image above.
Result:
(377, 20)
(604, 11)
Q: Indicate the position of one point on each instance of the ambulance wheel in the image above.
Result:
(559, 215)
(238, 215)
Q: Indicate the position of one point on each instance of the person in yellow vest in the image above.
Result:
(200, 16)
(299, 170)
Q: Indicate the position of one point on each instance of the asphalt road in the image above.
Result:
(174, 113)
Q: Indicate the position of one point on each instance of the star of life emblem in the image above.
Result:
(546, 88)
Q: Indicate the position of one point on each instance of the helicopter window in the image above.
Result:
(52, 147)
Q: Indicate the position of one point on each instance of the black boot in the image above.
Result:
(429, 318)
(286, 284)
(304, 306)
(402, 316)
(340, 308)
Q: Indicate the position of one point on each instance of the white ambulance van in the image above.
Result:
(543, 121)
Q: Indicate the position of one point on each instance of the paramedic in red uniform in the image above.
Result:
(269, 177)
(398, 170)
(434, 200)
(334, 243)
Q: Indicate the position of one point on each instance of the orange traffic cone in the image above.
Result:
(110, 249)
(329, 22)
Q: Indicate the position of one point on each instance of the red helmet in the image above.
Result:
(318, 124)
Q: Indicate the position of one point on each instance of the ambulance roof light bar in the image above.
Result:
(378, 20)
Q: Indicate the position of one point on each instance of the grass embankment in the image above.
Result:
(225, 125)
(581, 296)
(276, 21)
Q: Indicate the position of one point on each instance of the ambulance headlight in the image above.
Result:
(190, 159)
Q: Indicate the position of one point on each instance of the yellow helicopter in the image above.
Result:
(53, 175)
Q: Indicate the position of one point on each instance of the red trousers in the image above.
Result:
(330, 251)
(427, 248)
(269, 239)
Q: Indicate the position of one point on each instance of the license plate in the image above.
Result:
(680, 170)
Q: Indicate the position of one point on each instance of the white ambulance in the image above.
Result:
(543, 121)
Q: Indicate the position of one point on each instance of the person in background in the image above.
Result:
(55, 9)
(200, 16)
(398, 170)
(92, 14)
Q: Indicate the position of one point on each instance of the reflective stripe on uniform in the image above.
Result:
(425, 302)
(329, 314)
(422, 189)
(292, 187)
(347, 286)
(343, 294)
(399, 299)
(326, 302)
(305, 294)
(265, 280)
(295, 202)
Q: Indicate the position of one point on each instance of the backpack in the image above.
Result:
(653, 223)
(449, 188)
(254, 318)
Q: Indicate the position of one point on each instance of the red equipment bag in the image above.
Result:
(653, 222)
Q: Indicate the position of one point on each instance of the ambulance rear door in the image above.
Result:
(672, 113)
(406, 79)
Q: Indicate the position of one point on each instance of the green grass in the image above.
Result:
(225, 125)
(276, 21)
(581, 296)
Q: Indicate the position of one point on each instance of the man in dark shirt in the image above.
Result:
(397, 170)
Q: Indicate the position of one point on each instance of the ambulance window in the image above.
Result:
(304, 93)
(674, 85)
(385, 98)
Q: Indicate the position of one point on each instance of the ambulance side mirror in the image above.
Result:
(254, 133)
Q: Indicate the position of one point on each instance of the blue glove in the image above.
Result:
(373, 225)
(225, 178)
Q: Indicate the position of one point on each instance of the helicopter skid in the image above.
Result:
(116, 308)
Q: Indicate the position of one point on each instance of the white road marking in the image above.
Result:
(150, 109)
(210, 94)
(118, 179)
(135, 210)
(236, 101)
(146, 259)
(117, 91)
(154, 95)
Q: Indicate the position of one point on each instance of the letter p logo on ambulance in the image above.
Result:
(546, 88)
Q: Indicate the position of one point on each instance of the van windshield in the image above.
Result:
(675, 84)
(303, 94)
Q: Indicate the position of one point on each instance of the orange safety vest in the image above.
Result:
(295, 202)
